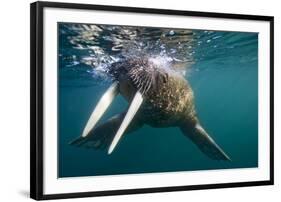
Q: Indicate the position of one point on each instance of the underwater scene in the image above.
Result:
(135, 100)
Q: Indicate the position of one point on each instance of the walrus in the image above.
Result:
(158, 95)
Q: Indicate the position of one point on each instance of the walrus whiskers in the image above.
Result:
(140, 78)
(148, 85)
(147, 81)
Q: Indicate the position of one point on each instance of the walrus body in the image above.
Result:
(169, 99)
(166, 101)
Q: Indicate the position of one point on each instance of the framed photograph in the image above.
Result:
(134, 100)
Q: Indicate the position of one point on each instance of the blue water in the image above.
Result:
(221, 67)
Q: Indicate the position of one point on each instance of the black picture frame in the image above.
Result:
(37, 99)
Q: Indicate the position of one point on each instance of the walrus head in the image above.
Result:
(144, 74)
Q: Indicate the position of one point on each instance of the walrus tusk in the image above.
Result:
(101, 107)
(135, 105)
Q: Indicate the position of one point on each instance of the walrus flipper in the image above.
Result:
(102, 136)
(204, 142)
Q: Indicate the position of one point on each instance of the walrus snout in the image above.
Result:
(143, 74)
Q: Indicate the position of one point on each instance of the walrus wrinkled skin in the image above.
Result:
(165, 98)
